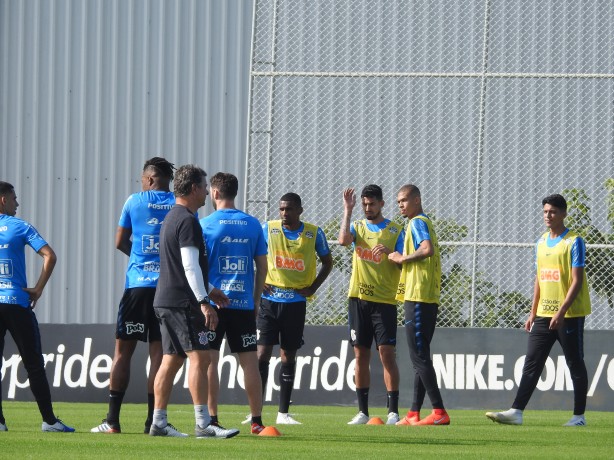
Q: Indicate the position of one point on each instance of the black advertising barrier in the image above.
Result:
(476, 368)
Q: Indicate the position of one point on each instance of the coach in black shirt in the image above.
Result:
(182, 306)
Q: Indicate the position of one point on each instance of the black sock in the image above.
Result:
(286, 382)
(392, 401)
(150, 408)
(214, 419)
(363, 400)
(46, 410)
(257, 420)
(263, 367)
(115, 404)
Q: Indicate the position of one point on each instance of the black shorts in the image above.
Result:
(136, 319)
(239, 326)
(183, 329)
(281, 323)
(368, 320)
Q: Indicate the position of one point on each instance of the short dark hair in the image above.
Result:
(555, 200)
(411, 189)
(6, 188)
(185, 177)
(372, 191)
(161, 166)
(292, 197)
(227, 184)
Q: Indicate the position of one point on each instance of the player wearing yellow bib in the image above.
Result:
(293, 249)
(372, 311)
(560, 304)
(419, 289)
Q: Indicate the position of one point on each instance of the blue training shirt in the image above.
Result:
(144, 213)
(233, 238)
(290, 295)
(419, 231)
(15, 234)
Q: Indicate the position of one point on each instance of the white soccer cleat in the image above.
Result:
(168, 430)
(393, 418)
(359, 419)
(576, 420)
(247, 421)
(214, 430)
(57, 427)
(508, 417)
(286, 419)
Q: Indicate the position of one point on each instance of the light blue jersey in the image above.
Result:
(144, 213)
(233, 238)
(15, 234)
(288, 295)
(419, 231)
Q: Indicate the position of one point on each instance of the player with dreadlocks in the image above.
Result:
(137, 236)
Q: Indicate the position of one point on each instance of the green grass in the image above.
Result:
(324, 434)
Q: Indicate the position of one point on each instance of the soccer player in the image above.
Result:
(235, 244)
(182, 306)
(419, 288)
(560, 305)
(137, 236)
(17, 302)
(291, 278)
(372, 311)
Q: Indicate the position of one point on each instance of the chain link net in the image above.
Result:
(486, 105)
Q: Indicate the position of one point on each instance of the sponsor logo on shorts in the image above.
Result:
(211, 335)
(134, 328)
(248, 339)
(353, 335)
(203, 337)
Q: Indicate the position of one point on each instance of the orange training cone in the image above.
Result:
(375, 421)
(269, 431)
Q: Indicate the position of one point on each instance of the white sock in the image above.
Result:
(159, 418)
(201, 413)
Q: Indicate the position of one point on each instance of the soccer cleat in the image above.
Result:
(168, 430)
(286, 419)
(576, 420)
(215, 430)
(3, 427)
(247, 421)
(508, 417)
(359, 419)
(257, 428)
(393, 418)
(106, 427)
(411, 418)
(437, 417)
(57, 427)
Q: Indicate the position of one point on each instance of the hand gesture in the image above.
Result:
(349, 199)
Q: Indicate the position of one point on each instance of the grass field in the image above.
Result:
(324, 434)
